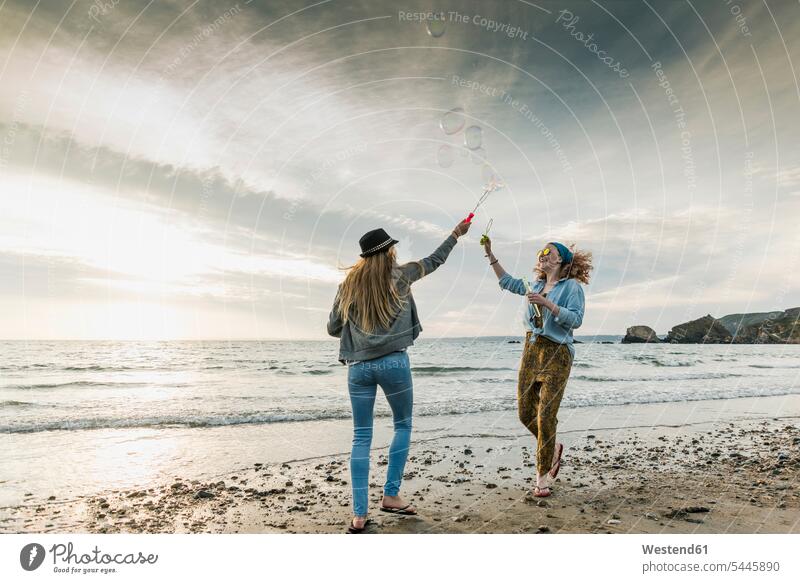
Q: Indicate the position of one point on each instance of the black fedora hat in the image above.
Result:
(375, 241)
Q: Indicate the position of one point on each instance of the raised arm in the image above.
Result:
(506, 282)
(493, 261)
(418, 269)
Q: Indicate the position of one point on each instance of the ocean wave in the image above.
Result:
(442, 408)
(18, 404)
(74, 384)
(585, 400)
(440, 370)
(25, 366)
(311, 371)
(686, 377)
(257, 418)
(773, 365)
(97, 367)
(508, 379)
(168, 421)
(417, 370)
(648, 359)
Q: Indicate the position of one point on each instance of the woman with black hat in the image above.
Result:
(375, 317)
(555, 306)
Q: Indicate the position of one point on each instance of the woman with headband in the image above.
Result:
(555, 306)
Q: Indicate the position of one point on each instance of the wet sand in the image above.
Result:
(729, 466)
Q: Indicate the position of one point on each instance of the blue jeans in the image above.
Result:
(393, 373)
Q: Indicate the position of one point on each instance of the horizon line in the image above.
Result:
(258, 339)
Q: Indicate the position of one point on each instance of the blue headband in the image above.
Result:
(565, 253)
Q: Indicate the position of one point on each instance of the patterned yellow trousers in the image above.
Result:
(543, 374)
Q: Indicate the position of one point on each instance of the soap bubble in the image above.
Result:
(478, 156)
(445, 156)
(453, 121)
(473, 137)
(436, 26)
(488, 175)
(492, 180)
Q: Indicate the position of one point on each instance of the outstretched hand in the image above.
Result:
(462, 228)
(487, 245)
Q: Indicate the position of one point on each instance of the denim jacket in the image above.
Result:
(567, 294)
(356, 345)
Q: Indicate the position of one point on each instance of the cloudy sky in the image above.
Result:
(203, 169)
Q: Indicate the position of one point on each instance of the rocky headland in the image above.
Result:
(779, 327)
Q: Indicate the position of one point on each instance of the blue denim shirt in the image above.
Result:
(567, 294)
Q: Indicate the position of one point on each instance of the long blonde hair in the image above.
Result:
(368, 297)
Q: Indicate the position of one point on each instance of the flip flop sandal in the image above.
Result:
(557, 466)
(353, 530)
(399, 510)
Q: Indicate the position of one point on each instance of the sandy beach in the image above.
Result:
(724, 466)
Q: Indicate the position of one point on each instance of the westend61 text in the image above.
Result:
(670, 550)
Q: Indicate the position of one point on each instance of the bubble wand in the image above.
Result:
(494, 184)
(485, 236)
(483, 197)
(528, 288)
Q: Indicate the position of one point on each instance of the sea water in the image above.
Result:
(77, 416)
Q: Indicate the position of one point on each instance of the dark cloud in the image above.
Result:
(271, 134)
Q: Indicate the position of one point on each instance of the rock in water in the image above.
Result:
(781, 329)
(637, 334)
(705, 330)
(750, 328)
(736, 323)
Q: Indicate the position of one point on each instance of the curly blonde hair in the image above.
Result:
(579, 268)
